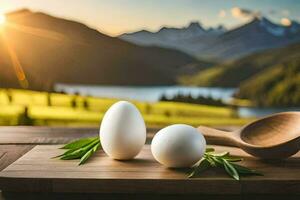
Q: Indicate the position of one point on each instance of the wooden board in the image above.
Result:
(10, 153)
(60, 135)
(37, 172)
(50, 135)
(43, 135)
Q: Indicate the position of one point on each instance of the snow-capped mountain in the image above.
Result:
(257, 35)
(278, 30)
(178, 38)
(217, 43)
(272, 28)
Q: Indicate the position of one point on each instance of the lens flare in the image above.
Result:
(2, 19)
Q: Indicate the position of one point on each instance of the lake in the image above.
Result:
(141, 93)
(154, 93)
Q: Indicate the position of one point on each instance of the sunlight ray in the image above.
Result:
(2, 19)
(15, 63)
(43, 33)
(37, 31)
(18, 69)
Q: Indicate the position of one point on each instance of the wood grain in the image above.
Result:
(58, 135)
(37, 172)
(10, 153)
(48, 135)
(43, 135)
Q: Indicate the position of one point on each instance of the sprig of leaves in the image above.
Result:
(81, 149)
(84, 148)
(223, 160)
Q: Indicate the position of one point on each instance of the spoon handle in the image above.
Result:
(218, 137)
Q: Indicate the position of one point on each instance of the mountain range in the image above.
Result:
(53, 50)
(187, 39)
(219, 43)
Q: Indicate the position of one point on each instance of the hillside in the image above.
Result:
(278, 85)
(53, 50)
(234, 73)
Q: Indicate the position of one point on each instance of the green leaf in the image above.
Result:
(89, 154)
(224, 154)
(231, 158)
(246, 171)
(202, 166)
(65, 153)
(81, 149)
(207, 150)
(231, 170)
(234, 159)
(78, 153)
(211, 161)
(79, 143)
(75, 154)
(224, 160)
(217, 160)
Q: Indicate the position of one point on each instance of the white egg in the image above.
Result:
(178, 145)
(122, 131)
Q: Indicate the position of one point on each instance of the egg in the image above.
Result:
(122, 131)
(178, 145)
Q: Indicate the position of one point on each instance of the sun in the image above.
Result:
(2, 19)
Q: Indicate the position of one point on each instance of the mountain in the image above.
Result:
(177, 38)
(257, 35)
(278, 85)
(53, 50)
(168, 34)
(218, 44)
(235, 73)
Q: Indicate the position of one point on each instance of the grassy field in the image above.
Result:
(23, 107)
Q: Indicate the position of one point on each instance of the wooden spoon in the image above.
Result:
(274, 137)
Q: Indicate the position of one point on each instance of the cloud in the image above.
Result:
(285, 12)
(282, 13)
(222, 13)
(285, 21)
(241, 13)
(272, 12)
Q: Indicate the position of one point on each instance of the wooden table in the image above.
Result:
(142, 178)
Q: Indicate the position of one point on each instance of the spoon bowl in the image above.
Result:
(273, 137)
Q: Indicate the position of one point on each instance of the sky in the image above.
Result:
(114, 17)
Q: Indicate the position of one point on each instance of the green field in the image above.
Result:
(23, 107)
